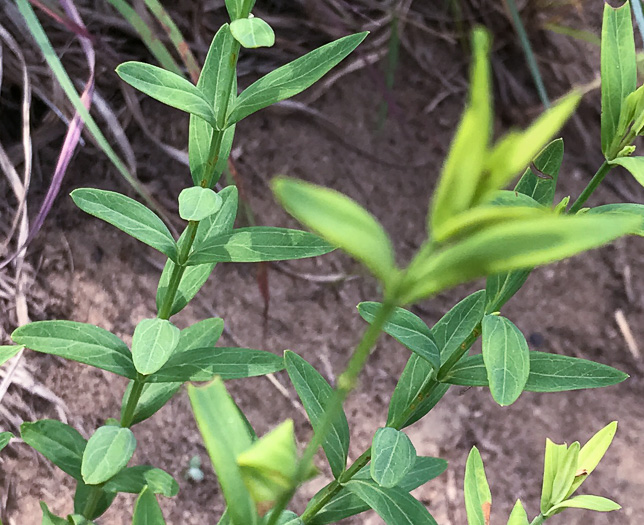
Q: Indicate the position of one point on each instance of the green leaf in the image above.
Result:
(618, 69)
(541, 185)
(50, 519)
(239, 8)
(134, 479)
(218, 84)
(345, 504)
(339, 220)
(463, 167)
(478, 499)
(315, 393)
(293, 78)
(153, 343)
(408, 329)
(225, 435)
(591, 454)
(393, 505)
(108, 451)
(623, 208)
(197, 203)
(84, 492)
(252, 33)
(522, 244)
(127, 215)
(167, 87)
(80, 342)
(202, 334)
(287, 517)
(514, 152)
(5, 437)
(392, 456)
(147, 510)
(8, 352)
(194, 277)
(153, 397)
(259, 243)
(588, 502)
(501, 287)
(507, 358)
(553, 457)
(518, 516)
(635, 165)
(78, 519)
(201, 364)
(58, 442)
(565, 474)
(548, 373)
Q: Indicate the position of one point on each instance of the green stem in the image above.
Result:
(92, 502)
(132, 401)
(592, 186)
(538, 520)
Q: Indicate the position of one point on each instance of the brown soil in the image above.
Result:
(93, 273)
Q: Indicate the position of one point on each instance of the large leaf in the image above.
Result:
(134, 479)
(478, 499)
(392, 456)
(635, 165)
(408, 329)
(153, 343)
(393, 505)
(522, 244)
(506, 357)
(201, 364)
(147, 510)
(345, 503)
(623, 208)
(108, 451)
(80, 342)
(293, 78)
(618, 69)
(58, 442)
(225, 435)
(315, 393)
(252, 33)
(548, 373)
(127, 215)
(167, 87)
(463, 167)
(259, 243)
(339, 220)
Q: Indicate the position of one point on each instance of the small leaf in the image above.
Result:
(623, 208)
(58, 442)
(153, 343)
(463, 167)
(548, 373)
(201, 364)
(553, 457)
(541, 185)
(392, 456)
(521, 244)
(50, 519)
(287, 517)
(127, 215)
(292, 78)
(134, 479)
(393, 505)
(147, 510)
(153, 397)
(5, 437)
(239, 8)
(108, 451)
(339, 220)
(80, 342)
(565, 474)
(259, 243)
(194, 277)
(408, 329)
(8, 352)
(315, 393)
(618, 69)
(478, 499)
(635, 165)
(588, 502)
(167, 87)
(225, 435)
(252, 33)
(518, 516)
(592, 453)
(506, 357)
(197, 203)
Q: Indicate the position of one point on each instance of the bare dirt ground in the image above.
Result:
(90, 272)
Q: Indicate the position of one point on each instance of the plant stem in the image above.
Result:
(592, 186)
(538, 520)
(132, 401)
(346, 383)
(92, 501)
